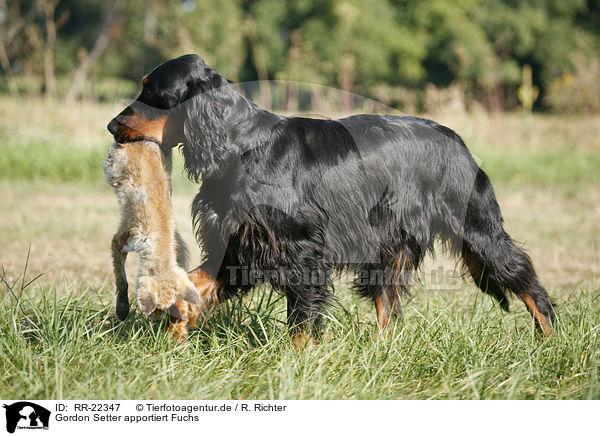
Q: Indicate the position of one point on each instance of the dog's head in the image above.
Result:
(178, 104)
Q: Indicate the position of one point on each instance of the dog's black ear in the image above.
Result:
(204, 126)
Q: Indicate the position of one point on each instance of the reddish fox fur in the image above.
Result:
(137, 173)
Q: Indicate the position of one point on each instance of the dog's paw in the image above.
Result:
(179, 330)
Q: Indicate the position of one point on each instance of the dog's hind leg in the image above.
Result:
(119, 256)
(385, 283)
(387, 297)
(376, 282)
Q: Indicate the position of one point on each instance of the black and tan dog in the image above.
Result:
(294, 200)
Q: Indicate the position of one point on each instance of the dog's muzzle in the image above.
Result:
(113, 126)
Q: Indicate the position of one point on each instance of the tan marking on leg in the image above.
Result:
(207, 286)
(179, 330)
(383, 311)
(179, 327)
(208, 290)
(400, 263)
(540, 319)
(302, 338)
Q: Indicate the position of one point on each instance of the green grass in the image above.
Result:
(59, 162)
(58, 342)
(548, 166)
(51, 161)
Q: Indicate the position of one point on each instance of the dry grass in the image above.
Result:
(518, 131)
(68, 228)
(80, 124)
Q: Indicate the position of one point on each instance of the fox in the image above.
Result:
(139, 175)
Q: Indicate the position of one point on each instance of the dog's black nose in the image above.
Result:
(113, 126)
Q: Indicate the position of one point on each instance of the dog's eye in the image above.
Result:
(148, 92)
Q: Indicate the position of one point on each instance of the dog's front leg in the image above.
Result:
(184, 315)
(119, 256)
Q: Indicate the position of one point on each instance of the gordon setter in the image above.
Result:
(293, 201)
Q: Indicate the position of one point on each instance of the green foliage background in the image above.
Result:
(355, 45)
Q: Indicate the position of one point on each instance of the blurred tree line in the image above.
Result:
(408, 53)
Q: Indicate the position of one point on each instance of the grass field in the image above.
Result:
(59, 338)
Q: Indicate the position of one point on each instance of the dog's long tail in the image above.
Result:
(493, 259)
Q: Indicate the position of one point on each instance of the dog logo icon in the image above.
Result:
(26, 415)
